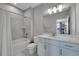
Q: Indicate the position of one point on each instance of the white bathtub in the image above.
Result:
(19, 45)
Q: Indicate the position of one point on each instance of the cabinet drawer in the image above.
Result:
(69, 45)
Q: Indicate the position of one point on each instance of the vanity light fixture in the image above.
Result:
(50, 11)
(54, 9)
(15, 3)
(60, 8)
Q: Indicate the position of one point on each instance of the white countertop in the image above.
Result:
(66, 38)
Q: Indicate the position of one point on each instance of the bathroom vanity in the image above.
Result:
(58, 46)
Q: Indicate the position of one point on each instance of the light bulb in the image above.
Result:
(54, 9)
(50, 11)
(15, 3)
(60, 8)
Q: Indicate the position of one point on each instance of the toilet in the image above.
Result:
(30, 50)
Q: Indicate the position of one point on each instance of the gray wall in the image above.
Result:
(49, 21)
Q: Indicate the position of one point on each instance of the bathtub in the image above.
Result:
(19, 45)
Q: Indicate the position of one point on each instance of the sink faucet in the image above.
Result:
(54, 34)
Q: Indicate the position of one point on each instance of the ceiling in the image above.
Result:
(25, 6)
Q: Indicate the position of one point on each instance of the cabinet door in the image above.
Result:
(69, 52)
(41, 49)
(52, 50)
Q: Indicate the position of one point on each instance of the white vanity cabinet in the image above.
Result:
(52, 47)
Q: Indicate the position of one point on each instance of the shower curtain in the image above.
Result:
(6, 34)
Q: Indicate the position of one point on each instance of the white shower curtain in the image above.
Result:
(7, 40)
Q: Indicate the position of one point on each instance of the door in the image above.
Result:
(69, 52)
(52, 50)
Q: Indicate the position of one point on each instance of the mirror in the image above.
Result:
(50, 23)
